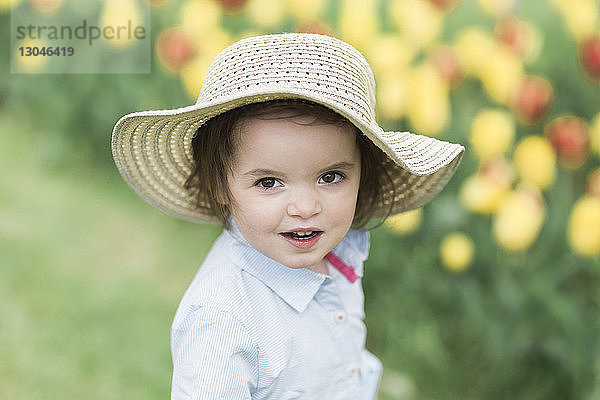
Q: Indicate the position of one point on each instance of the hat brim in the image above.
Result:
(153, 153)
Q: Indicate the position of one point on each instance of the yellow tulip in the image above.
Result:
(595, 134)
(306, 10)
(405, 223)
(358, 22)
(203, 52)
(30, 64)
(480, 195)
(192, 74)
(428, 106)
(535, 161)
(389, 54)
(219, 39)
(584, 226)
(6, 4)
(418, 20)
(492, 133)
(473, 46)
(501, 72)
(266, 14)
(497, 8)
(456, 251)
(199, 18)
(519, 219)
(580, 16)
(117, 13)
(392, 95)
(484, 192)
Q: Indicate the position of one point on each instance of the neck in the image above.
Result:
(320, 267)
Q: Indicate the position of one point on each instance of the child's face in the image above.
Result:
(289, 179)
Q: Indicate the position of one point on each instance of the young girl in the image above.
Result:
(282, 149)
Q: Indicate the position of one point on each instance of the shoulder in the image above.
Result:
(213, 314)
(354, 248)
(218, 289)
(359, 240)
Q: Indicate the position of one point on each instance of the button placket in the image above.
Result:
(330, 300)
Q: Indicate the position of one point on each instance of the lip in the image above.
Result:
(303, 244)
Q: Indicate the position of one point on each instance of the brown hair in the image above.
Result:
(213, 147)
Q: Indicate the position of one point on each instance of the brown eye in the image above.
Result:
(331, 177)
(328, 177)
(268, 183)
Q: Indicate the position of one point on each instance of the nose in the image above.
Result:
(304, 203)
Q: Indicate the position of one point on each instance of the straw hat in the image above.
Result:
(152, 149)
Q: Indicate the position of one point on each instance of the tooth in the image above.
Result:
(302, 234)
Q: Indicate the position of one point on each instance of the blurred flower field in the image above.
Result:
(492, 291)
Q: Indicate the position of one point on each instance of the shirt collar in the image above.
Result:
(354, 249)
(296, 286)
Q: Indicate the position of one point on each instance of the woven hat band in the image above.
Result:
(317, 67)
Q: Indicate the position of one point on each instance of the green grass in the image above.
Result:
(90, 278)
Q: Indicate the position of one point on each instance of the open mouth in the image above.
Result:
(302, 235)
(302, 240)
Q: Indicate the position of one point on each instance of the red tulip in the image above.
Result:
(157, 3)
(570, 137)
(589, 56)
(232, 5)
(315, 27)
(519, 36)
(444, 5)
(45, 6)
(447, 63)
(532, 99)
(174, 48)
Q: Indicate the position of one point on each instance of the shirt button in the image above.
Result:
(353, 370)
(340, 317)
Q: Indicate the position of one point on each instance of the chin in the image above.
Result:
(302, 263)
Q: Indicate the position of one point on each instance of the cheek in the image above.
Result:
(255, 215)
(343, 207)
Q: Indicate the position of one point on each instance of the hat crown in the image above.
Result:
(300, 64)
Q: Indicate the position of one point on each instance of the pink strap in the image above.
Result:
(344, 269)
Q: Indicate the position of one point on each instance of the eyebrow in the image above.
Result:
(343, 166)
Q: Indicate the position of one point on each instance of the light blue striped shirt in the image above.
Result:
(249, 327)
